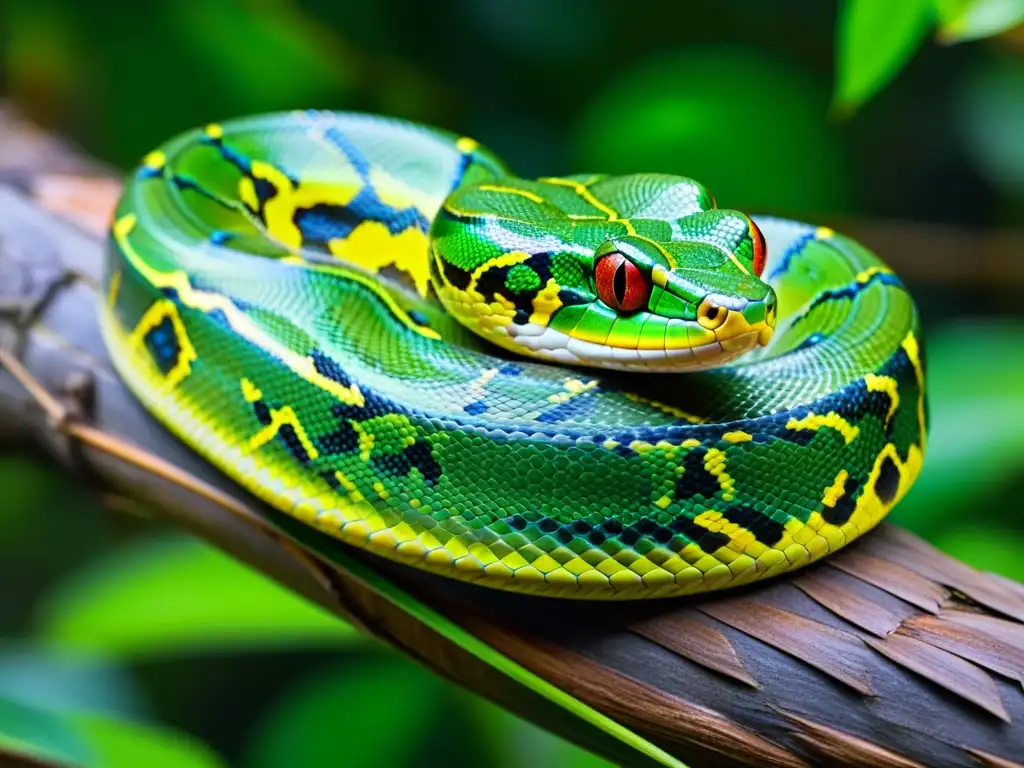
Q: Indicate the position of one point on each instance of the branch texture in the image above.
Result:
(887, 654)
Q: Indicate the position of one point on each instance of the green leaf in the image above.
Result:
(961, 20)
(748, 125)
(875, 39)
(92, 741)
(176, 596)
(378, 715)
(533, 746)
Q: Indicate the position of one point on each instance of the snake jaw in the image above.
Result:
(685, 345)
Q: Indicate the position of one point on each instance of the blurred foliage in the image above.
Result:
(973, 19)
(118, 623)
(182, 598)
(88, 740)
(877, 38)
(667, 103)
(975, 444)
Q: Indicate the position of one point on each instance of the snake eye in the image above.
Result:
(620, 284)
(760, 249)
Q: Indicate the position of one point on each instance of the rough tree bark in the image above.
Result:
(887, 654)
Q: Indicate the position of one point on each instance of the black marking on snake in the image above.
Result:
(630, 535)
(696, 480)
(851, 290)
(900, 368)
(547, 525)
(262, 412)
(285, 432)
(331, 479)
(848, 292)
(291, 440)
(164, 346)
(329, 368)
(492, 283)
(344, 439)
(465, 162)
(395, 465)
(612, 527)
(185, 184)
(218, 316)
(888, 481)
(419, 318)
(845, 504)
(351, 152)
(579, 529)
(572, 408)
(460, 278)
(264, 189)
(570, 297)
(709, 541)
(767, 529)
(811, 341)
(243, 164)
(796, 247)
(323, 222)
(421, 456)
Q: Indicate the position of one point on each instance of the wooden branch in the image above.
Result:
(887, 654)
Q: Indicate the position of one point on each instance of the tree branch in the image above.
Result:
(887, 654)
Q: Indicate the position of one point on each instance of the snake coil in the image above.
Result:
(344, 313)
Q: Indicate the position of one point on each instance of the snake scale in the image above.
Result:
(586, 386)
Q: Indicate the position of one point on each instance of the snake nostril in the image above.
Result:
(710, 315)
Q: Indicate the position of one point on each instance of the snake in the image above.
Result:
(592, 386)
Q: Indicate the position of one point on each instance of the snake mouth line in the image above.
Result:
(734, 337)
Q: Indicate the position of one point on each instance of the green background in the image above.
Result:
(114, 629)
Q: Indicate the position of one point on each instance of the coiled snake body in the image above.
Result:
(576, 387)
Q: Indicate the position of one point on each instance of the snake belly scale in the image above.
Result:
(587, 387)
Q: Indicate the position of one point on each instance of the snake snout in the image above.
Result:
(736, 319)
(712, 312)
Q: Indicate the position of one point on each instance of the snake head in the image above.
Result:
(693, 302)
(634, 273)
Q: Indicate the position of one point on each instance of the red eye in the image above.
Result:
(620, 284)
(760, 249)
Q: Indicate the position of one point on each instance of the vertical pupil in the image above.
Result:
(619, 283)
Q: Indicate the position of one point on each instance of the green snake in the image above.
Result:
(586, 386)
